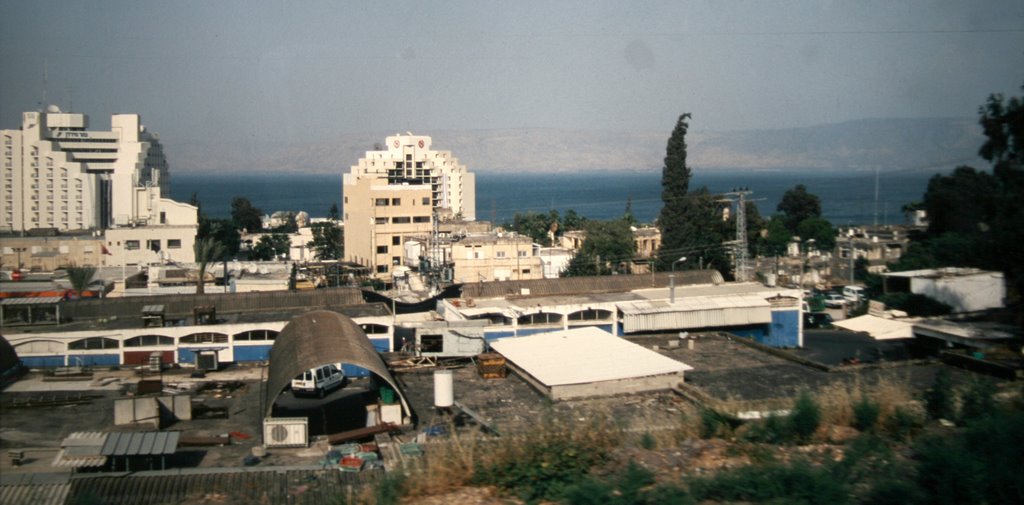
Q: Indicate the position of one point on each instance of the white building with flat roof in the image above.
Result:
(58, 174)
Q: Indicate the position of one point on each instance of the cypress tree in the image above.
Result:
(675, 183)
(691, 223)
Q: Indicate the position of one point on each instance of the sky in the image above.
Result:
(290, 72)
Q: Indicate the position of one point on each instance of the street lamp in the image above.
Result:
(677, 261)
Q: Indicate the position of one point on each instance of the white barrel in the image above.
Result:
(444, 388)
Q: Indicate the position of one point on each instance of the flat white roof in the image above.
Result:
(583, 355)
(879, 328)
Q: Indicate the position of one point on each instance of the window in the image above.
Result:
(148, 340)
(421, 219)
(256, 335)
(590, 315)
(431, 343)
(396, 260)
(382, 249)
(153, 245)
(86, 344)
(381, 202)
(174, 243)
(396, 240)
(522, 254)
(499, 254)
(381, 220)
(426, 200)
(396, 202)
(131, 245)
(346, 199)
(401, 220)
(163, 217)
(540, 318)
(204, 338)
(382, 269)
(374, 329)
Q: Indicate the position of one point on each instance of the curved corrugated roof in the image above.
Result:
(8, 356)
(317, 338)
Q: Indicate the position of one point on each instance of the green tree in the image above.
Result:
(699, 236)
(608, 248)
(572, 221)
(207, 251)
(328, 241)
(628, 216)
(272, 246)
(80, 277)
(676, 211)
(333, 214)
(776, 237)
(225, 233)
(534, 225)
(818, 229)
(245, 216)
(797, 205)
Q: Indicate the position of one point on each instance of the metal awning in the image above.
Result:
(148, 443)
(32, 300)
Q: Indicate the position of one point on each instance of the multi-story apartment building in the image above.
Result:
(58, 175)
(496, 257)
(397, 193)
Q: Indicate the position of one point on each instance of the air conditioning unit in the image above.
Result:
(286, 432)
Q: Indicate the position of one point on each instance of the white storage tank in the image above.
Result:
(444, 390)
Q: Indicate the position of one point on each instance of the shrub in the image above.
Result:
(776, 483)
(635, 485)
(546, 461)
(902, 424)
(977, 401)
(865, 414)
(938, 399)
(805, 418)
(894, 492)
(711, 423)
(647, 441)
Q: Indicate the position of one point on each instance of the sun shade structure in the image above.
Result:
(318, 338)
(588, 361)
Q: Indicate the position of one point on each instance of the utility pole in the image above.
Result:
(741, 232)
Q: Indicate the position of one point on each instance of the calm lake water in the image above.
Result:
(847, 197)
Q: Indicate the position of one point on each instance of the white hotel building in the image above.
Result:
(395, 194)
(58, 175)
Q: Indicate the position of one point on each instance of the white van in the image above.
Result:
(854, 294)
(319, 380)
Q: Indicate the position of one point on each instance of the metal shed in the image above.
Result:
(585, 362)
(317, 338)
(693, 313)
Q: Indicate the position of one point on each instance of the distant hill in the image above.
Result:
(906, 144)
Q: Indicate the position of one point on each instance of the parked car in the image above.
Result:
(835, 301)
(318, 381)
(816, 320)
(854, 294)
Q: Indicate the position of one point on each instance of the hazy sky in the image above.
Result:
(307, 70)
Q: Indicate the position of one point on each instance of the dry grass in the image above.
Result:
(837, 400)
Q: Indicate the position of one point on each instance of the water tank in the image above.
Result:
(444, 391)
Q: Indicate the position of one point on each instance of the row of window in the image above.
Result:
(395, 202)
(402, 220)
(93, 343)
(546, 318)
(151, 245)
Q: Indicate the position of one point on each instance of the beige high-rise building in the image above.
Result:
(393, 194)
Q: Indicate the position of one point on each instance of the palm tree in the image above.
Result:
(207, 250)
(80, 277)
